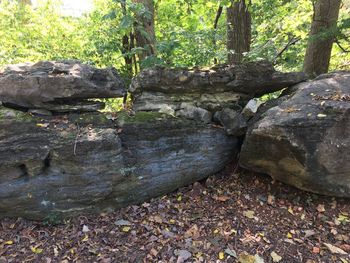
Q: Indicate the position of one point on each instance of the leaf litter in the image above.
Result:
(242, 217)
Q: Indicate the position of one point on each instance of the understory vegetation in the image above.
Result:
(184, 30)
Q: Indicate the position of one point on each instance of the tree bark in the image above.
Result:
(144, 30)
(238, 31)
(321, 37)
(216, 21)
(127, 46)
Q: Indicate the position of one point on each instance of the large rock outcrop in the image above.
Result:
(58, 86)
(75, 160)
(219, 93)
(78, 163)
(304, 139)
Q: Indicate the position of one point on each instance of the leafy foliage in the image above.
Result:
(184, 30)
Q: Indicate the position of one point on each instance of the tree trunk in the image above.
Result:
(238, 31)
(144, 30)
(321, 37)
(127, 46)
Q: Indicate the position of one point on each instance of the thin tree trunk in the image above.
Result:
(144, 30)
(238, 31)
(126, 50)
(216, 21)
(319, 49)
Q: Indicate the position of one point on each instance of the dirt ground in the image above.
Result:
(230, 217)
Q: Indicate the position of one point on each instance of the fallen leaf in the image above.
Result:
(55, 251)
(270, 199)
(334, 249)
(316, 250)
(221, 198)
(85, 228)
(43, 125)
(342, 218)
(345, 247)
(183, 255)
(192, 232)
(122, 222)
(275, 257)
(231, 252)
(246, 258)
(289, 235)
(126, 229)
(36, 250)
(309, 233)
(320, 208)
(321, 115)
(249, 214)
(157, 219)
(290, 210)
(153, 252)
(221, 255)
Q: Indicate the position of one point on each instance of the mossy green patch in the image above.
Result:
(89, 118)
(141, 117)
(6, 113)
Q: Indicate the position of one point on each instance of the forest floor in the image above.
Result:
(241, 217)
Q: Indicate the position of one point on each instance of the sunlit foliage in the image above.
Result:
(184, 30)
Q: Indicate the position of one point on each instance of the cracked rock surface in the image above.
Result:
(303, 138)
(58, 86)
(78, 163)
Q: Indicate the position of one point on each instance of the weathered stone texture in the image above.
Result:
(201, 94)
(58, 86)
(304, 140)
(80, 163)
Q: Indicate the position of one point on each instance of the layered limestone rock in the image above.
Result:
(80, 160)
(303, 138)
(199, 94)
(58, 86)
(78, 163)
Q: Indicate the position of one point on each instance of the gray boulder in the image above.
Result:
(82, 163)
(234, 122)
(304, 140)
(58, 86)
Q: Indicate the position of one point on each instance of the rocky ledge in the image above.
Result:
(217, 94)
(58, 86)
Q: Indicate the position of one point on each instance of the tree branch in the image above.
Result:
(291, 42)
(340, 46)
